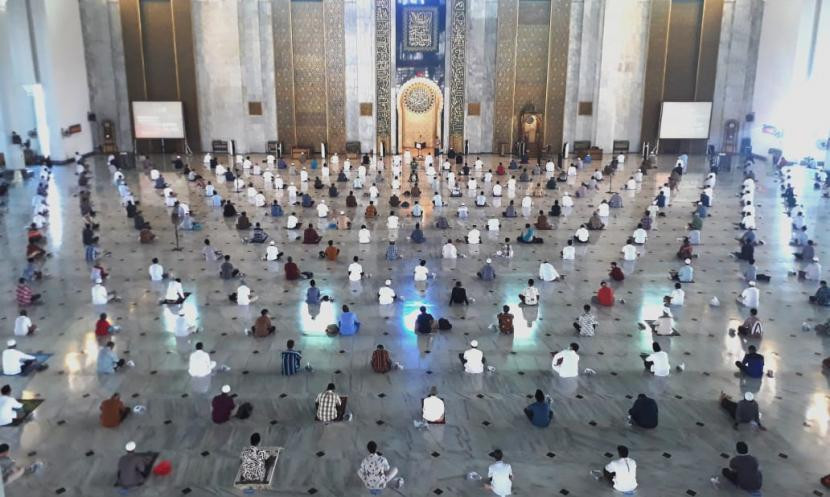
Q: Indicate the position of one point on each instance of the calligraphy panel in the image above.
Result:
(420, 33)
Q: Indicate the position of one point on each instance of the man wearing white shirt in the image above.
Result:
(474, 236)
(473, 359)
(497, 190)
(355, 270)
(631, 184)
(530, 295)
(175, 292)
(392, 221)
(622, 472)
(386, 295)
(582, 234)
(493, 224)
(658, 361)
(547, 272)
(750, 297)
(23, 324)
(292, 222)
(100, 296)
(272, 253)
(156, 271)
(566, 362)
(199, 364)
(433, 408)
(640, 235)
(210, 190)
(448, 251)
(604, 210)
(629, 251)
(500, 476)
(421, 272)
(8, 405)
(364, 235)
(479, 164)
(550, 166)
(15, 361)
(242, 296)
(678, 296)
(322, 209)
(569, 251)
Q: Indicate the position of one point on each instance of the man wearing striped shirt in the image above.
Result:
(291, 360)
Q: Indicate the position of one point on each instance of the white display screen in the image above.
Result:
(685, 120)
(158, 120)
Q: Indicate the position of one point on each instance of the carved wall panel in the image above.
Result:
(335, 76)
(457, 71)
(560, 20)
(505, 73)
(308, 29)
(284, 73)
(420, 26)
(383, 71)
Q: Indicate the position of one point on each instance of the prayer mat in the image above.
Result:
(270, 468)
(29, 406)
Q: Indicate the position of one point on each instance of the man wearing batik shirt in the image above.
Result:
(586, 323)
(253, 461)
(374, 470)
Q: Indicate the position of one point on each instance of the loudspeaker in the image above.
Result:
(750, 117)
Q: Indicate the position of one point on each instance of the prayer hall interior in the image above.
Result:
(414, 247)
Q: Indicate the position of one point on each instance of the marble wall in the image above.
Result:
(360, 78)
(106, 76)
(619, 104)
(737, 62)
(482, 22)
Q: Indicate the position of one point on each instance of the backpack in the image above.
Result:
(444, 324)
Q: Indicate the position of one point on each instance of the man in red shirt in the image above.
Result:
(222, 406)
(605, 295)
(616, 272)
(103, 327)
(310, 235)
(292, 271)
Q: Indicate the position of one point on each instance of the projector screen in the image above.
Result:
(685, 120)
(158, 120)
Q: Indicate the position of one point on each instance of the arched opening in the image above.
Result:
(420, 106)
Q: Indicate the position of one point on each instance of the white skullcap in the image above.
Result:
(388, 282)
(98, 281)
(226, 389)
(488, 261)
(688, 261)
(751, 283)
(130, 446)
(748, 396)
(11, 343)
(474, 343)
(273, 242)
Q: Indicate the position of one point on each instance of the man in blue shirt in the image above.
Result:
(348, 322)
(752, 364)
(424, 321)
(644, 412)
(291, 360)
(539, 413)
(685, 274)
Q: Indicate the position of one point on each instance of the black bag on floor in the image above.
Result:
(444, 324)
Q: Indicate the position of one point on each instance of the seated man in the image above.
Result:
(425, 323)
(530, 295)
(113, 411)
(108, 362)
(621, 473)
(751, 327)
(542, 222)
(743, 411)
(133, 467)
(605, 295)
(529, 236)
(432, 408)
(744, 470)
(539, 413)
(381, 362)
(644, 412)
(258, 235)
(329, 406)
(242, 222)
(11, 471)
(684, 274)
(223, 407)
(505, 320)
(473, 359)
(8, 406)
(253, 468)
(752, 364)
(310, 235)
(686, 250)
(291, 360)
(16, 362)
(595, 223)
(822, 295)
(262, 326)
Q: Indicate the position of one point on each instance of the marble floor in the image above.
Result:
(484, 411)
